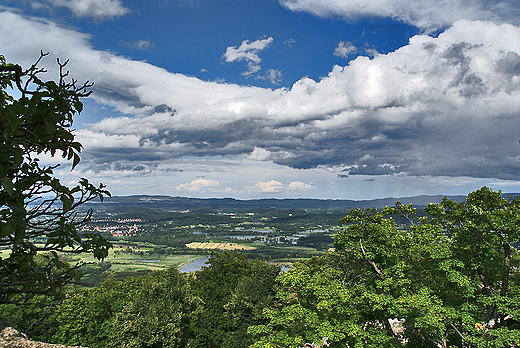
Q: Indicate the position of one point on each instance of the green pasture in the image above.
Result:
(123, 262)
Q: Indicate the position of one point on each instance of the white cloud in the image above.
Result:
(366, 157)
(198, 185)
(421, 109)
(274, 186)
(267, 187)
(38, 6)
(273, 75)
(426, 14)
(371, 52)
(290, 42)
(344, 49)
(300, 186)
(248, 51)
(98, 9)
(259, 154)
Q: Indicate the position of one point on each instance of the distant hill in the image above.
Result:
(184, 203)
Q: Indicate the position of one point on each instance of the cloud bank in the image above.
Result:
(439, 106)
(425, 14)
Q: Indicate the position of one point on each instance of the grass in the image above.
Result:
(125, 262)
(135, 262)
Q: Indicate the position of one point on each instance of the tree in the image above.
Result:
(38, 214)
(86, 316)
(159, 316)
(448, 280)
(253, 292)
(482, 271)
(234, 292)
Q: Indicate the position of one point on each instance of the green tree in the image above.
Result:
(37, 212)
(159, 316)
(214, 285)
(234, 292)
(446, 281)
(35, 317)
(481, 272)
(85, 317)
(255, 291)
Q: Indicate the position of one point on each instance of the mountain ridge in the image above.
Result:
(187, 203)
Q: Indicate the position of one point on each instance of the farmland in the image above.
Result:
(219, 246)
(149, 239)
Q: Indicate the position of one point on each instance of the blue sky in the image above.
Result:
(351, 99)
(192, 37)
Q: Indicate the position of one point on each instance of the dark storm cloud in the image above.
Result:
(468, 81)
(509, 65)
(116, 94)
(443, 106)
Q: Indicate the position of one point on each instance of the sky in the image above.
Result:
(330, 99)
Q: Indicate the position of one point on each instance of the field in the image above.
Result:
(219, 246)
(140, 257)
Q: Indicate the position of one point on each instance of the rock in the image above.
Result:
(11, 338)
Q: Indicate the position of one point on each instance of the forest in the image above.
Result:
(444, 276)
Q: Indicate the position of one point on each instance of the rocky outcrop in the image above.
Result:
(11, 338)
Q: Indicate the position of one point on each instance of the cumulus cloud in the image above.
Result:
(248, 51)
(273, 75)
(259, 154)
(344, 49)
(299, 186)
(267, 187)
(290, 42)
(426, 14)
(274, 186)
(198, 185)
(97, 9)
(440, 106)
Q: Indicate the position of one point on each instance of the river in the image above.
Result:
(197, 265)
(194, 266)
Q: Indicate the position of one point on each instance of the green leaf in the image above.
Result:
(8, 185)
(67, 203)
(7, 228)
(78, 106)
(19, 234)
(76, 160)
(50, 128)
(13, 121)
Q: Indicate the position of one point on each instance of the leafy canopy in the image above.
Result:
(445, 280)
(37, 212)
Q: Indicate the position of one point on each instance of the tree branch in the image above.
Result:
(374, 266)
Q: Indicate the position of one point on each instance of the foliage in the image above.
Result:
(86, 316)
(37, 212)
(159, 316)
(234, 293)
(35, 317)
(447, 281)
(213, 308)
